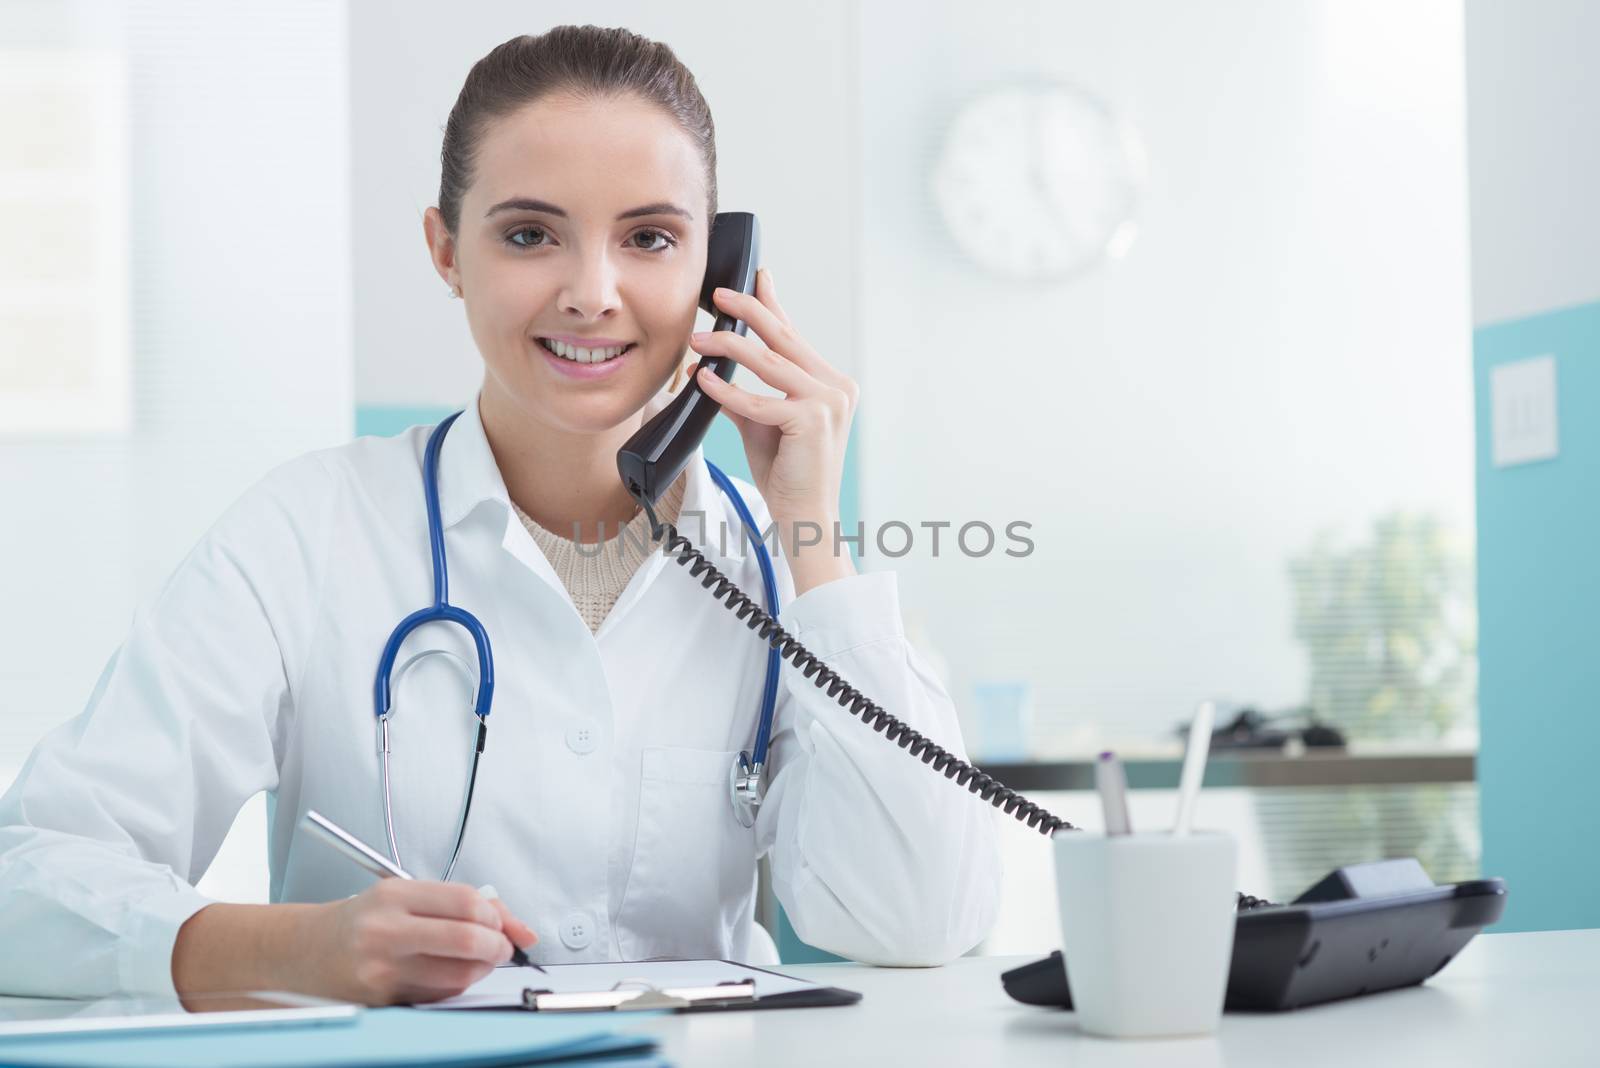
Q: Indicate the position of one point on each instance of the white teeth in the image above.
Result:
(578, 355)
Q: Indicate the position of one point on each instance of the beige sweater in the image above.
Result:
(595, 573)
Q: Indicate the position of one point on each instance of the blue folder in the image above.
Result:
(378, 1038)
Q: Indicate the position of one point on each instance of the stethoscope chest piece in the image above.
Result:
(744, 789)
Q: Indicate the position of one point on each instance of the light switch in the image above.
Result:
(1522, 398)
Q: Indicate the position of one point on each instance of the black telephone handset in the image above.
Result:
(658, 451)
(654, 456)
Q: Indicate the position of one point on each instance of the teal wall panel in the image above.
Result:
(1539, 654)
(388, 420)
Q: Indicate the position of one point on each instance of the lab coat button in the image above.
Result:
(576, 930)
(583, 736)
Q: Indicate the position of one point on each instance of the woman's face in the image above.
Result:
(585, 227)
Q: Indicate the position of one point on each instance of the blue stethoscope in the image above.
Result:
(744, 782)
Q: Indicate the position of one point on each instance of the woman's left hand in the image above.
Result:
(795, 442)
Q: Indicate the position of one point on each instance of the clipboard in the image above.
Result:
(644, 986)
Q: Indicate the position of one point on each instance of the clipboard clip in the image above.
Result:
(638, 995)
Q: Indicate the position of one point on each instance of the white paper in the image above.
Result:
(503, 987)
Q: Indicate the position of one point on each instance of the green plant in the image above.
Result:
(1390, 626)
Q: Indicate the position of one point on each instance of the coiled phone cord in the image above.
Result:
(855, 702)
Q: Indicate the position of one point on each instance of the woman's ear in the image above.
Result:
(441, 246)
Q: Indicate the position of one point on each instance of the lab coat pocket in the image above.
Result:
(692, 882)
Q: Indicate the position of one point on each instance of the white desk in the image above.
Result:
(1510, 1001)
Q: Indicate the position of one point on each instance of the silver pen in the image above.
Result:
(351, 846)
(1112, 782)
(380, 865)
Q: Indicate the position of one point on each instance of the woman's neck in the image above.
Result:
(566, 482)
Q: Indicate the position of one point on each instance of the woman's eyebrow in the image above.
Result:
(530, 204)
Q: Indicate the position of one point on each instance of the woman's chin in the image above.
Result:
(595, 415)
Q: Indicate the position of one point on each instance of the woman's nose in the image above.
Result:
(591, 291)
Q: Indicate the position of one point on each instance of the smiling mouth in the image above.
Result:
(582, 355)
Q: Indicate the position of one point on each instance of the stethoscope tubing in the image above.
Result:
(769, 584)
(442, 611)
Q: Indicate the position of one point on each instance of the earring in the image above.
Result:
(455, 291)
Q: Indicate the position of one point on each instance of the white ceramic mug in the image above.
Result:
(1146, 929)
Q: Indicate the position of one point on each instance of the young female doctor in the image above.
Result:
(578, 185)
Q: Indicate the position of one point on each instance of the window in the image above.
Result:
(64, 342)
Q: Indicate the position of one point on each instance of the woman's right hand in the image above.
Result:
(410, 940)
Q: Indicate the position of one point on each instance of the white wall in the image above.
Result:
(1534, 155)
(780, 86)
(240, 319)
(1285, 347)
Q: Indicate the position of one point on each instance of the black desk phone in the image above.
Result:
(1276, 935)
(1363, 929)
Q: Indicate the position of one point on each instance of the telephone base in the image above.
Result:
(1365, 928)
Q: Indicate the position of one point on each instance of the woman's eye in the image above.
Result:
(537, 237)
(512, 237)
(662, 240)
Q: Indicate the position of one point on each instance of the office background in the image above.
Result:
(1253, 450)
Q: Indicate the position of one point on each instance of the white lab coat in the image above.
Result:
(602, 808)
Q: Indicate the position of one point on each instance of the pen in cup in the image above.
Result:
(381, 866)
(1112, 782)
(1194, 765)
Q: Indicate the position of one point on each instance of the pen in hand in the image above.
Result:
(384, 868)
(518, 957)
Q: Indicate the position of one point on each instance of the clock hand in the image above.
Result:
(1041, 185)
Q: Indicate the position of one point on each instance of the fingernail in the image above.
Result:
(700, 335)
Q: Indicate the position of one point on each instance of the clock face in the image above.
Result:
(1039, 182)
